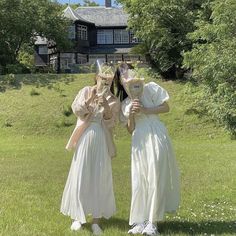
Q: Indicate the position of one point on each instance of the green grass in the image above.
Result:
(34, 164)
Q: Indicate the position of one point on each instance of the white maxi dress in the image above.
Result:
(89, 186)
(155, 176)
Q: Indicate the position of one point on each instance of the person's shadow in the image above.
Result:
(201, 227)
(179, 227)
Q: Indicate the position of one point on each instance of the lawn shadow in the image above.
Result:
(37, 80)
(202, 227)
(176, 227)
(121, 224)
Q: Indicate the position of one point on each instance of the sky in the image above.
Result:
(100, 2)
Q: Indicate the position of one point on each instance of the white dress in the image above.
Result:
(155, 176)
(89, 187)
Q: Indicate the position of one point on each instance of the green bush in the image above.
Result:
(213, 62)
(16, 69)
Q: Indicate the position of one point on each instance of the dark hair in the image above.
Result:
(112, 88)
(121, 93)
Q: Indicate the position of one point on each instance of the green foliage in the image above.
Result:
(26, 57)
(16, 69)
(34, 164)
(20, 21)
(162, 26)
(9, 80)
(90, 3)
(213, 62)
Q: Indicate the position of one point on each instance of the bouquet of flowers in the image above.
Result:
(133, 84)
(105, 73)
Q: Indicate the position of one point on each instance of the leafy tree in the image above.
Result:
(89, 3)
(20, 21)
(162, 25)
(213, 62)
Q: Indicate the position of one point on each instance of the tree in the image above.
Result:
(213, 62)
(162, 25)
(89, 3)
(21, 21)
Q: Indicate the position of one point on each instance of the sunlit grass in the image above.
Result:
(34, 164)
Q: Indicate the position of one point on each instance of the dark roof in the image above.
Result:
(110, 49)
(71, 14)
(103, 16)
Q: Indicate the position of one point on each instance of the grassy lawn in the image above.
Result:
(35, 124)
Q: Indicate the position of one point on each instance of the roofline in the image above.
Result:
(72, 12)
(76, 18)
(82, 7)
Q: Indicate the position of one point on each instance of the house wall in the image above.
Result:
(40, 59)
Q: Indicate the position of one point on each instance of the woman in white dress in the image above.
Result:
(155, 176)
(89, 187)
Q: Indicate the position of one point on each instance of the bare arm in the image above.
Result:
(163, 108)
(131, 123)
(138, 107)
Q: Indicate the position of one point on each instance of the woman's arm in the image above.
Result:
(91, 97)
(131, 122)
(163, 108)
(80, 105)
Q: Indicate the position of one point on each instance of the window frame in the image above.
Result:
(121, 36)
(107, 34)
(82, 32)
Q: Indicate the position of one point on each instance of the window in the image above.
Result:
(105, 37)
(121, 36)
(67, 60)
(81, 59)
(82, 32)
(43, 50)
(71, 32)
(130, 57)
(111, 58)
(94, 57)
(133, 39)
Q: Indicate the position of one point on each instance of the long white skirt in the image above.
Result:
(89, 188)
(155, 176)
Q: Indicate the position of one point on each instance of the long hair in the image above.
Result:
(120, 93)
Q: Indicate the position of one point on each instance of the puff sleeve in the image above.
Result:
(158, 94)
(79, 106)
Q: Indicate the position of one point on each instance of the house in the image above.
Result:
(98, 33)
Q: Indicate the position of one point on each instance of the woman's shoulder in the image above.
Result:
(86, 88)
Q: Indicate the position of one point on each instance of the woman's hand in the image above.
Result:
(91, 97)
(137, 107)
(102, 101)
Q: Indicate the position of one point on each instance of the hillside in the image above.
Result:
(35, 123)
